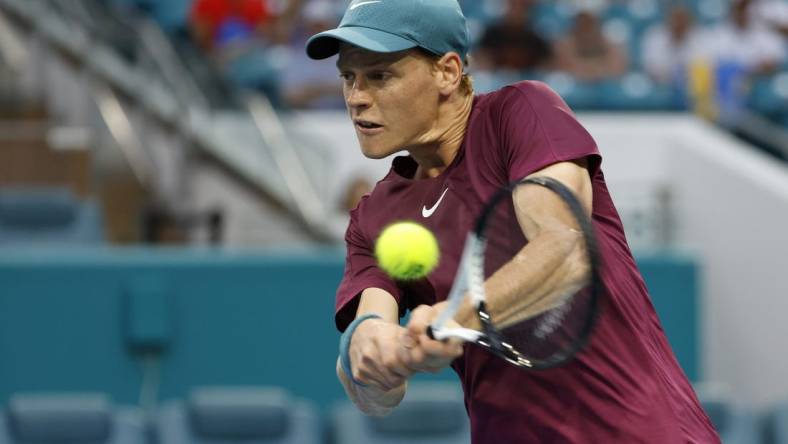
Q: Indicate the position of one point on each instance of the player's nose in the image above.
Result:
(358, 97)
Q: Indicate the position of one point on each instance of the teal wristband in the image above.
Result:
(344, 345)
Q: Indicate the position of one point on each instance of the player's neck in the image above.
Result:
(447, 136)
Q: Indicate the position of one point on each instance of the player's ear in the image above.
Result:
(449, 69)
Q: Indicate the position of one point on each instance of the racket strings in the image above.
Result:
(555, 315)
(545, 335)
(505, 253)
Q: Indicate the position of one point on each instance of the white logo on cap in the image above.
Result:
(352, 7)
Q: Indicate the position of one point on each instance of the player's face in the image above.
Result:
(392, 98)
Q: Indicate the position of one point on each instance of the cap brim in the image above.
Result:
(326, 44)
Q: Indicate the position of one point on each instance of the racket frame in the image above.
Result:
(469, 282)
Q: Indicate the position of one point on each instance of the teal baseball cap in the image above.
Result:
(437, 26)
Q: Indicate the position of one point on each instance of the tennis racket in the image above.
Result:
(544, 324)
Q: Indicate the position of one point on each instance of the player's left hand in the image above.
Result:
(418, 351)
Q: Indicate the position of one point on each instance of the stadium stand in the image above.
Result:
(207, 309)
(243, 415)
(623, 22)
(52, 418)
(429, 414)
(48, 216)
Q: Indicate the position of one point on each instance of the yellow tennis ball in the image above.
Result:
(407, 251)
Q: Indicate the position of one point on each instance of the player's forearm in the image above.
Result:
(550, 267)
(569, 275)
(370, 400)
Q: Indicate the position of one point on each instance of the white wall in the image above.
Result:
(729, 205)
(734, 208)
(335, 131)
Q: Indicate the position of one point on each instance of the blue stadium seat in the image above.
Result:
(647, 12)
(252, 415)
(488, 81)
(431, 413)
(633, 92)
(626, 22)
(710, 11)
(552, 18)
(171, 15)
(640, 13)
(257, 69)
(578, 95)
(624, 32)
(70, 418)
(734, 424)
(42, 216)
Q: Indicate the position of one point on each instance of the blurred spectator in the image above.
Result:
(669, 48)
(512, 44)
(236, 34)
(743, 42)
(350, 194)
(215, 22)
(307, 83)
(587, 53)
(357, 188)
(732, 54)
(772, 14)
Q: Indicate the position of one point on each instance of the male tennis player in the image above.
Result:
(402, 67)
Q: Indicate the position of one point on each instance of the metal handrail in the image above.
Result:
(292, 169)
(161, 52)
(120, 127)
(270, 127)
(303, 199)
(13, 52)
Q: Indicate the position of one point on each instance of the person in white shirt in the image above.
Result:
(744, 41)
(772, 14)
(587, 53)
(669, 48)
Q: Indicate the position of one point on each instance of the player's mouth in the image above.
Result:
(367, 128)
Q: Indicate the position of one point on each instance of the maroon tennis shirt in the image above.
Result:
(626, 385)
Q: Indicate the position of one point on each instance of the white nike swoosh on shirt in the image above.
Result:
(427, 212)
(352, 7)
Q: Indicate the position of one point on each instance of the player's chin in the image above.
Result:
(374, 150)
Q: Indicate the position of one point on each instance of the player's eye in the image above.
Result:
(346, 76)
(379, 76)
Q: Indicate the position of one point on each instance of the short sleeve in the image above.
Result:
(361, 272)
(538, 129)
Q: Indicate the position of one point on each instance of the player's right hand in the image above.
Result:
(423, 354)
(374, 355)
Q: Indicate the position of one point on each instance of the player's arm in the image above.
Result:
(554, 261)
(374, 356)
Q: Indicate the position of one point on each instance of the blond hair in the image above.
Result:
(466, 83)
